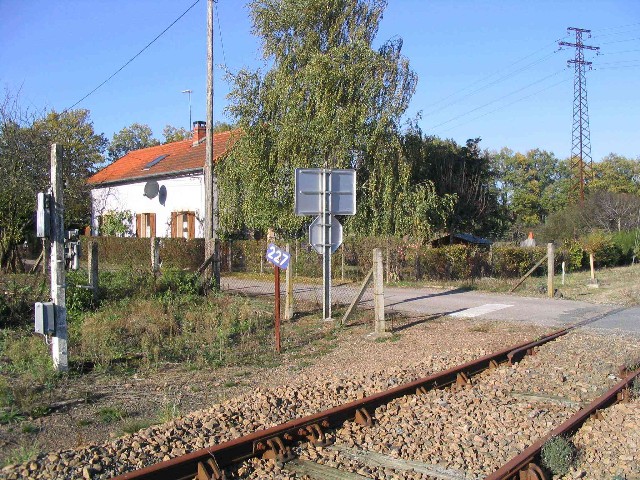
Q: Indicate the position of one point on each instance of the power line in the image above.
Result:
(497, 99)
(215, 9)
(618, 26)
(491, 75)
(621, 51)
(621, 41)
(615, 33)
(507, 105)
(134, 57)
(498, 80)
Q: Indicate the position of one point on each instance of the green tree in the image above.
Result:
(173, 134)
(464, 171)
(25, 140)
(616, 174)
(222, 127)
(130, 138)
(327, 98)
(531, 184)
(83, 149)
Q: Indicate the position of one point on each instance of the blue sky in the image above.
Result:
(486, 69)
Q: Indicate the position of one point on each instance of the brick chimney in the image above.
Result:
(199, 132)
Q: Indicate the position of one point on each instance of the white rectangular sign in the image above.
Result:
(342, 191)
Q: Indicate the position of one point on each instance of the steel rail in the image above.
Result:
(275, 442)
(526, 465)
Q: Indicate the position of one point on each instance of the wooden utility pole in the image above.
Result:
(58, 277)
(210, 184)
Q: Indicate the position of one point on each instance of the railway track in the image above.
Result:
(280, 443)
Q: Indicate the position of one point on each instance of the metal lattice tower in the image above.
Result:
(581, 161)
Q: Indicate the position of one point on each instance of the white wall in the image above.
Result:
(183, 194)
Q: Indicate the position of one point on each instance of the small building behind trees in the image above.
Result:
(157, 191)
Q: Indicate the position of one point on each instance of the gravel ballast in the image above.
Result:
(471, 430)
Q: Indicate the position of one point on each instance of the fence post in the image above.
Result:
(380, 325)
(550, 268)
(155, 254)
(92, 261)
(288, 299)
(342, 263)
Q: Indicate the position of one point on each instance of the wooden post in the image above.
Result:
(288, 300)
(276, 272)
(550, 268)
(211, 246)
(594, 282)
(378, 292)
(563, 269)
(155, 254)
(58, 276)
(92, 264)
(342, 263)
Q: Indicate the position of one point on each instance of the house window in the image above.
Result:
(146, 225)
(183, 225)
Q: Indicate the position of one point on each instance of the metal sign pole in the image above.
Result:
(276, 272)
(326, 243)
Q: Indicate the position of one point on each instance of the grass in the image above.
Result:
(558, 455)
(20, 454)
(133, 425)
(170, 410)
(111, 414)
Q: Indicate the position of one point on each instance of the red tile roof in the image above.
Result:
(181, 157)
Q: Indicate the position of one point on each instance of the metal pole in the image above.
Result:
(326, 243)
(550, 268)
(276, 272)
(58, 277)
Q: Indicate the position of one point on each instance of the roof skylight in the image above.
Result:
(155, 161)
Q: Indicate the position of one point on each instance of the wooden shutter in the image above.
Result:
(191, 225)
(152, 224)
(174, 224)
(139, 231)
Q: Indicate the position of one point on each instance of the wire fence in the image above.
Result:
(245, 271)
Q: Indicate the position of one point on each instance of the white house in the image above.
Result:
(162, 186)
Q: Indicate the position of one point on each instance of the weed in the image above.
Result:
(29, 428)
(83, 422)
(111, 414)
(21, 454)
(558, 454)
(133, 425)
(169, 411)
(10, 415)
(483, 328)
(229, 384)
(388, 338)
(635, 388)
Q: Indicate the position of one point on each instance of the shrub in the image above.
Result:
(605, 252)
(626, 242)
(558, 455)
(178, 281)
(513, 262)
(572, 254)
(78, 298)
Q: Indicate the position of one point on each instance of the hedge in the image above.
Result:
(405, 260)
